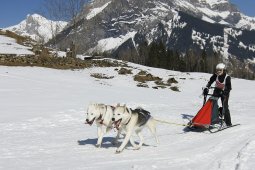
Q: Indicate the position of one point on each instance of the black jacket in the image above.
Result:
(221, 78)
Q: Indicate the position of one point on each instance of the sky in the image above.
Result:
(13, 12)
(245, 6)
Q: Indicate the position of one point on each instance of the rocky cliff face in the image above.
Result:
(116, 25)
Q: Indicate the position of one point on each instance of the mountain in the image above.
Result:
(122, 26)
(37, 27)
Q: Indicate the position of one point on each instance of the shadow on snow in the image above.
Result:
(106, 143)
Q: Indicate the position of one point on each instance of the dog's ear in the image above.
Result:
(126, 109)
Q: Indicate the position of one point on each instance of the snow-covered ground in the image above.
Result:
(9, 46)
(42, 114)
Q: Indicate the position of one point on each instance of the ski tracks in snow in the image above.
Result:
(235, 149)
(245, 156)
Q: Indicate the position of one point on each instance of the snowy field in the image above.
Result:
(43, 113)
(10, 46)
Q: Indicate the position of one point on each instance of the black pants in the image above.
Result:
(224, 101)
(225, 111)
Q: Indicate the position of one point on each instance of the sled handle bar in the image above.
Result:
(205, 96)
(213, 95)
(209, 88)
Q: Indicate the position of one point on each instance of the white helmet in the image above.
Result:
(220, 66)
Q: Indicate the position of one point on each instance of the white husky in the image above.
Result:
(132, 120)
(102, 115)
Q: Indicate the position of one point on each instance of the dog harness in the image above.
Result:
(130, 116)
(143, 115)
(101, 117)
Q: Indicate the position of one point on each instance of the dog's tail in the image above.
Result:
(170, 123)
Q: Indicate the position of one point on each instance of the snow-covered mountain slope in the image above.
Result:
(38, 27)
(121, 26)
(217, 11)
(10, 46)
(43, 113)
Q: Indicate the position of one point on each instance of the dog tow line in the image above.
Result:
(171, 123)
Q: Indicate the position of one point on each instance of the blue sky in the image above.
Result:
(245, 6)
(14, 11)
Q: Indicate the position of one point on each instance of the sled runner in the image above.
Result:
(210, 117)
(215, 130)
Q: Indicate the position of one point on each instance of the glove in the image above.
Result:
(205, 91)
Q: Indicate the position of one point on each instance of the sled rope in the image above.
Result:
(170, 123)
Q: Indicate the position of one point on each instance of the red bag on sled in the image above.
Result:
(207, 115)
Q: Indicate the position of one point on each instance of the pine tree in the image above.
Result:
(170, 60)
(143, 53)
(153, 60)
(162, 55)
(203, 62)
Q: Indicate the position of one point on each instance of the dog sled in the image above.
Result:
(210, 117)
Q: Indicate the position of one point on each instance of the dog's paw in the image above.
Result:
(98, 145)
(137, 148)
(118, 151)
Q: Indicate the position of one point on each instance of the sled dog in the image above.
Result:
(102, 115)
(133, 120)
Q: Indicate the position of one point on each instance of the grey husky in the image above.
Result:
(132, 121)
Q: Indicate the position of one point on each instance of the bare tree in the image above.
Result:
(66, 10)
